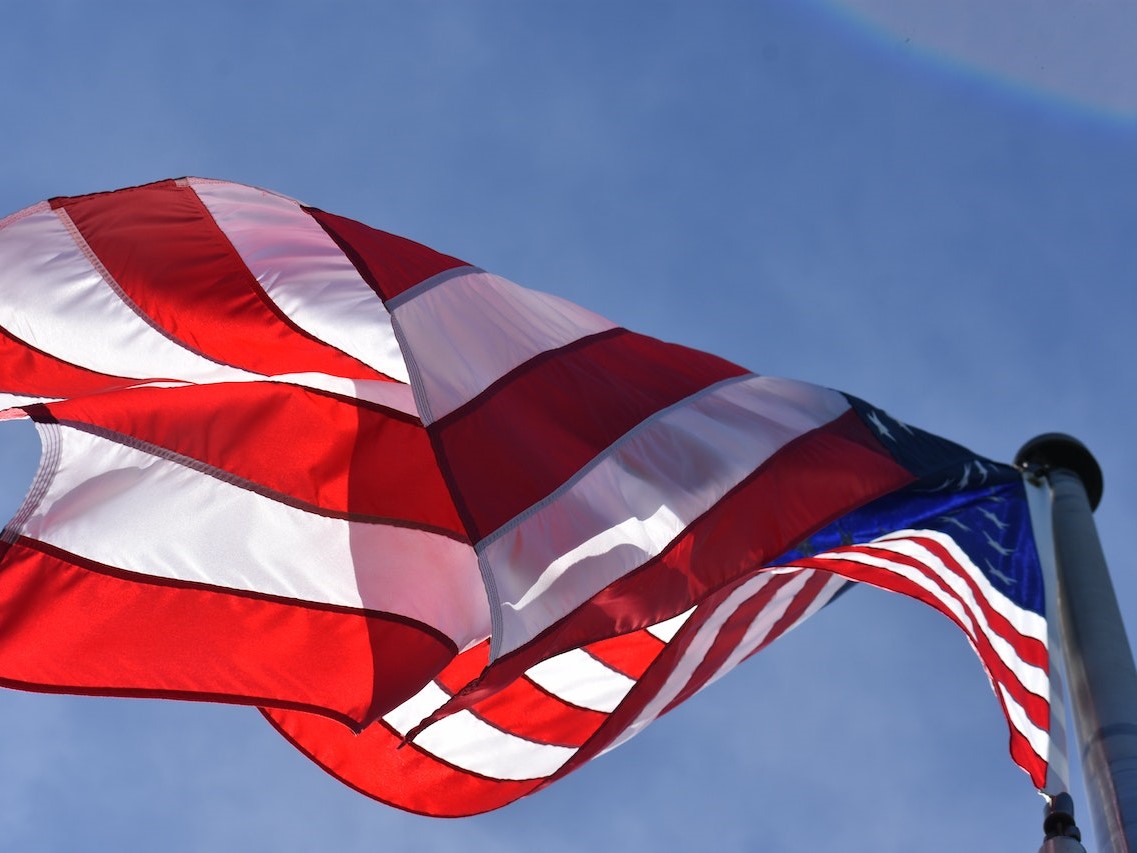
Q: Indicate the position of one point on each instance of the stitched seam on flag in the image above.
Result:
(256, 488)
(492, 725)
(606, 665)
(93, 259)
(473, 712)
(95, 567)
(45, 474)
(20, 342)
(493, 598)
(608, 452)
(413, 372)
(193, 180)
(530, 364)
(467, 771)
(431, 283)
(13, 218)
(255, 288)
(568, 703)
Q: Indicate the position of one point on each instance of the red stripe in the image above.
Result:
(629, 654)
(388, 263)
(578, 399)
(1036, 707)
(70, 627)
(407, 778)
(1025, 757)
(327, 452)
(25, 370)
(165, 252)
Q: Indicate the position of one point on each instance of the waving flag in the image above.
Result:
(453, 536)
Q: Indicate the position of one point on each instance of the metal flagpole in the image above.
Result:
(1102, 678)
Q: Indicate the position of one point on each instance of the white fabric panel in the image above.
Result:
(54, 297)
(468, 742)
(638, 495)
(580, 679)
(668, 628)
(126, 508)
(7, 401)
(304, 272)
(469, 329)
(968, 612)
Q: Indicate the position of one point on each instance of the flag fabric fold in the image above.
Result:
(453, 536)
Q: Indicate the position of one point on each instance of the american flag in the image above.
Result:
(454, 537)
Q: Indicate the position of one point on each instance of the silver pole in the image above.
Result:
(1102, 677)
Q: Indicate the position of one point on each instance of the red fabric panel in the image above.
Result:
(165, 252)
(406, 778)
(390, 264)
(328, 452)
(578, 399)
(81, 628)
(25, 370)
(523, 709)
(629, 654)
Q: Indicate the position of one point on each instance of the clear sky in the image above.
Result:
(932, 211)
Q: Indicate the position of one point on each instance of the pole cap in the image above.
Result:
(1057, 450)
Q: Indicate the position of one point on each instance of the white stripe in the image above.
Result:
(304, 273)
(472, 328)
(580, 679)
(7, 401)
(668, 628)
(700, 644)
(53, 297)
(470, 743)
(126, 508)
(965, 608)
(639, 495)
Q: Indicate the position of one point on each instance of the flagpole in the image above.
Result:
(1102, 677)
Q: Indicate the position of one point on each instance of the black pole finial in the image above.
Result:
(1058, 821)
(1058, 450)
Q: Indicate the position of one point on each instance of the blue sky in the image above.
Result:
(932, 211)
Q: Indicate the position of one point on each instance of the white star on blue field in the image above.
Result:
(927, 205)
